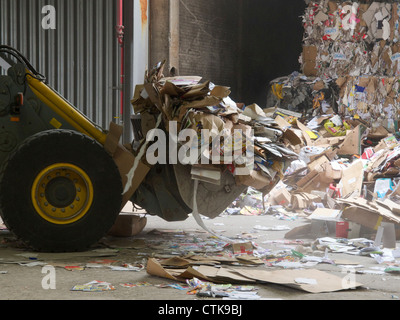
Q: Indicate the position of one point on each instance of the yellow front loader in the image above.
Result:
(64, 180)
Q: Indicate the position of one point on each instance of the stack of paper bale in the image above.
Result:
(345, 106)
(371, 98)
(350, 72)
(201, 105)
(350, 63)
(356, 46)
(350, 38)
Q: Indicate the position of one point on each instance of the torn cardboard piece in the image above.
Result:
(325, 214)
(281, 197)
(386, 236)
(369, 214)
(310, 60)
(307, 133)
(242, 248)
(124, 161)
(352, 144)
(332, 170)
(352, 179)
(322, 281)
(154, 268)
(288, 133)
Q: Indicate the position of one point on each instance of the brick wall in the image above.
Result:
(209, 32)
(243, 44)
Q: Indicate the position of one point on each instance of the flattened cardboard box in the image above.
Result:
(370, 214)
(325, 214)
(321, 281)
(352, 179)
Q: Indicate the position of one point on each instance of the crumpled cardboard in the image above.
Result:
(370, 214)
(204, 106)
(303, 200)
(210, 122)
(332, 171)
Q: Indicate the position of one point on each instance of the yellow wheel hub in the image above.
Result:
(62, 193)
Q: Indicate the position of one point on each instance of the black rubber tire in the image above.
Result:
(39, 152)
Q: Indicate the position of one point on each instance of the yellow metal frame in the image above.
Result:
(65, 110)
(77, 209)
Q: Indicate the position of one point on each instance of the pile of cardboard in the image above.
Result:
(190, 103)
(345, 107)
(347, 101)
(350, 177)
(343, 162)
(303, 96)
(374, 100)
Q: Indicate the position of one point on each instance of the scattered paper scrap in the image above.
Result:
(94, 286)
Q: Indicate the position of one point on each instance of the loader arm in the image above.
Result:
(65, 110)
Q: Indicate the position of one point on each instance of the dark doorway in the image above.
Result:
(270, 45)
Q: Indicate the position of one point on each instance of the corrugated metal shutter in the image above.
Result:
(80, 58)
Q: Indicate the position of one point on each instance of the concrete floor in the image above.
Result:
(28, 282)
